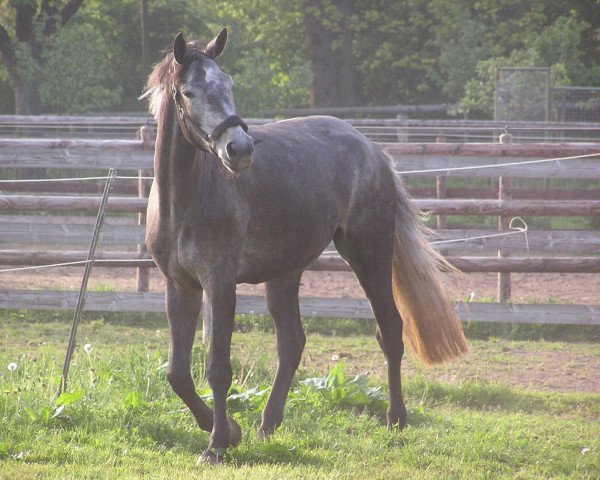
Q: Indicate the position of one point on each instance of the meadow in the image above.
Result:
(120, 419)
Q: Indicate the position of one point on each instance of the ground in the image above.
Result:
(557, 368)
(577, 288)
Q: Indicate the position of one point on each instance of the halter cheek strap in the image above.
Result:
(194, 132)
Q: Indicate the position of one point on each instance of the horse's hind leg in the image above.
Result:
(282, 301)
(369, 253)
(183, 307)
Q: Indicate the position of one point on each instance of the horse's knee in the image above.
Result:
(219, 377)
(179, 380)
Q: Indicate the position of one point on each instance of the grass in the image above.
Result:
(121, 420)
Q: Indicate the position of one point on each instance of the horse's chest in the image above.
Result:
(191, 242)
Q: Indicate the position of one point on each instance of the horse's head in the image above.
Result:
(205, 107)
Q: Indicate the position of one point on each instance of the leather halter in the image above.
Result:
(194, 132)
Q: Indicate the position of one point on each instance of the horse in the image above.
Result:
(231, 204)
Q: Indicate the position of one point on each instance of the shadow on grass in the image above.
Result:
(150, 321)
(492, 397)
(272, 453)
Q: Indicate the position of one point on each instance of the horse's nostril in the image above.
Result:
(230, 150)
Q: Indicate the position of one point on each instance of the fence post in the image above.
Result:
(146, 134)
(84, 281)
(504, 194)
(206, 319)
(401, 133)
(441, 193)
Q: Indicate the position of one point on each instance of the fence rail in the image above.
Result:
(309, 307)
(19, 228)
(48, 230)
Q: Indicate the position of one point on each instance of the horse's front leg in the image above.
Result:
(183, 305)
(225, 431)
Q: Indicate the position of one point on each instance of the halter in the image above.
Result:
(194, 132)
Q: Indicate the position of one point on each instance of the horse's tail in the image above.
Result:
(430, 324)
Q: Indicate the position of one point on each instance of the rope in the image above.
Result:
(406, 172)
(72, 179)
(329, 253)
(65, 264)
(77, 262)
(516, 231)
(498, 165)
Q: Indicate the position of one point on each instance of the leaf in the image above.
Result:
(30, 412)
(133, 400)
(69, 398)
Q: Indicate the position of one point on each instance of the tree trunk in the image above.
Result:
(27, 98)
(329, 46)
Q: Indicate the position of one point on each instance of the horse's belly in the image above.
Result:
(272, 259)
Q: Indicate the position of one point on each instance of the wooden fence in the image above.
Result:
(122, 243)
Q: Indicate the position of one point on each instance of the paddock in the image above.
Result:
(50, 222)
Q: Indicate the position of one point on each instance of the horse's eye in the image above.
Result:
(189, 94)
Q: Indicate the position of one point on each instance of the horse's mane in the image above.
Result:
(166, 73)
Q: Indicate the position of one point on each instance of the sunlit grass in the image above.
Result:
(121, 420)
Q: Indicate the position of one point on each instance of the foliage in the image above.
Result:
(392, 48)
(558, 46)
(77, 68)
(262, 85)
(334, 390)
(402, 52)
(266, 56)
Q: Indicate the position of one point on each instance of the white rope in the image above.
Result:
(498, 165)
(65, 264)
(406, 172)
(72, 179)
(329, 253)
(516, 231)
(51, 180)
(77, 262)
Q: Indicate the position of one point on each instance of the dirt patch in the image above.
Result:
(526, 287)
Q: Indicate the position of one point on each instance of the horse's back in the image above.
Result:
(309, 175)
(322, 148)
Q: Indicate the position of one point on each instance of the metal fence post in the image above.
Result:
(504, 194)
(84, 281)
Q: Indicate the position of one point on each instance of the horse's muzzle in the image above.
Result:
(239, 153)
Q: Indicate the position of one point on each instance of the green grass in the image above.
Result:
(121, 419)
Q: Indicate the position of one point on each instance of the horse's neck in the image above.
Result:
(176, 167)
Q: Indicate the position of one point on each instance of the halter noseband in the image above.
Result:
(194, 132)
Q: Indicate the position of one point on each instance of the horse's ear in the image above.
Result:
(179, 48)
(216, 45)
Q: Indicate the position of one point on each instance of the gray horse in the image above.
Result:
(235, 205)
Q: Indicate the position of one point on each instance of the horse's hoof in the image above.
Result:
(235, 432)
(211, 457)
(397, 421)
(264, 432)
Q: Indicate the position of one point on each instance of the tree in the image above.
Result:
(118, 22)
(23, 38)
(78, 75)
(266, 55)
(557, 46)
(329, 39)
